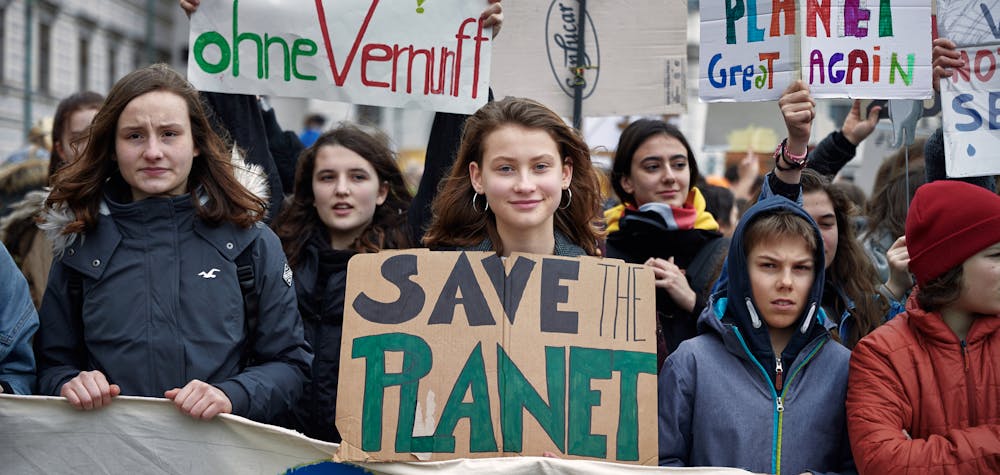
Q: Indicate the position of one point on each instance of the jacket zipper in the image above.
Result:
(776, 437)
(969, 386)
(779, 405)
(777, 373)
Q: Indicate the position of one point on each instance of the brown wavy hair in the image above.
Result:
(889, 204)
(299, 221)
(79, 101)
(851, 270)
(79, 186)
(457, 224)
(942, 290)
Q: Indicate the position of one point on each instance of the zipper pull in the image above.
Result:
(965, 357)
(781, 405)
(778, 374)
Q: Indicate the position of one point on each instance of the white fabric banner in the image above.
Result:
(45, 435)
(423, 55)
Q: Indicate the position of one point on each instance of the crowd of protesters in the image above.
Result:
(187, 247)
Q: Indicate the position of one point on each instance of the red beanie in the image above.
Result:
(948, 222)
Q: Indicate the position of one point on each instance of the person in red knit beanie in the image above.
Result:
(924, 389)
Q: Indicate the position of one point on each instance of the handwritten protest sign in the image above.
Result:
(971, 98)
(461, 354)
(751, 50)
(635, 55)
(434, 56)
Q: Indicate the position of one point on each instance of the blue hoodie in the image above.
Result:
(721, 400)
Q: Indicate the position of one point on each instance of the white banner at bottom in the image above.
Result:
(45, 435)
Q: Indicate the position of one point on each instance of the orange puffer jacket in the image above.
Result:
(919, 400)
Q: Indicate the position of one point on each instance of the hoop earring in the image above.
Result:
(569, 201)
(476, 195)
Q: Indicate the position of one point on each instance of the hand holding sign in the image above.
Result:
(190, 6)
(492, 17)
(945, 57)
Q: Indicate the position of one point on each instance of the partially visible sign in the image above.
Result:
(425, 55)
(462, 354)
(971, 98)
(751, 50)
(634, 56)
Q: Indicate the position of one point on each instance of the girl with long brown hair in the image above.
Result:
(148, 295)
(349, 197)
(851, 297)
(522, 182)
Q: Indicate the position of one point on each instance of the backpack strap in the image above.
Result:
(251, 302)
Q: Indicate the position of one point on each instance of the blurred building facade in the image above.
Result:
(53, 48)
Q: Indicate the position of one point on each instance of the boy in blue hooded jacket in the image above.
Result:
(762, 386)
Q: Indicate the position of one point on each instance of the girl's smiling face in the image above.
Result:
(523, 178)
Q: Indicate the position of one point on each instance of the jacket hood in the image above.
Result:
(56, 217)
(22, 216)
(733, 305)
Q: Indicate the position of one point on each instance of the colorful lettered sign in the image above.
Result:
(463, 354)
(749, 50)
(431, 55)
(752, 49)
(970, 100)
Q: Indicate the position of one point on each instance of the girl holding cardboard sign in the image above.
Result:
(522, 182)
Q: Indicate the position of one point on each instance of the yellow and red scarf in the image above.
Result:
(691, 216)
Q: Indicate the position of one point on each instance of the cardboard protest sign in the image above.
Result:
(433, 56)
(970, 100)
(462, 354)
(751, 50)
(634, 54)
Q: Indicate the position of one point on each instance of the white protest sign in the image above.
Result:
(970, 100)
(748, 51)
(434, 56)
(635, 56)
(882, 51)
(752, 49)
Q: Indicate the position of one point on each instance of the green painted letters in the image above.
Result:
(630, 364)
(586, 364)
(517, 394)
(417, 361)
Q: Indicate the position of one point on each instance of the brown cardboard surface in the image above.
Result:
(584, 327)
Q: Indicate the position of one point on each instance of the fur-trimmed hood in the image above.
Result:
(56, 218)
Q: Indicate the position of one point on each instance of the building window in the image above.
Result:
(44, 57)
(112, 60)
(3, 42)
(84, 64)
(137, 61)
